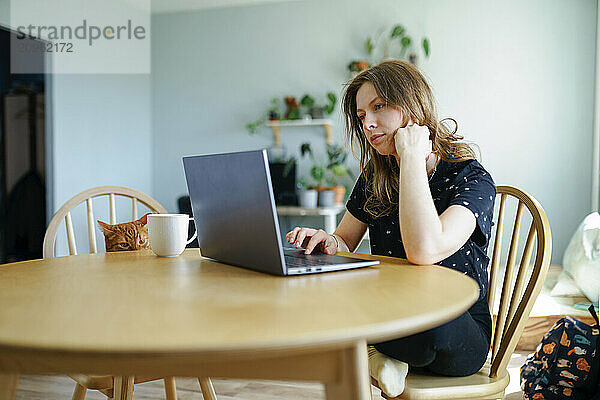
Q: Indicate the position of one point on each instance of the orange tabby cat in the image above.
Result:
(126, 236)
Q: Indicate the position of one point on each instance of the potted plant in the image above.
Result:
(317, 172)
(327, 175)
(358, 66)
(292, 108)
(337, 169)
(273, 111)
(395, 43)
(397, 36)
(308, 103)
(318, 111)
(307, 197)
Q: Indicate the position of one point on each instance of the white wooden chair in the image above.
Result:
(516, 301)
(112, 387)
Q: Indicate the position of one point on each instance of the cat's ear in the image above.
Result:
(105, 227)
(144, 220)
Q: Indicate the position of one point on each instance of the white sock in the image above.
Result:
(389, 373)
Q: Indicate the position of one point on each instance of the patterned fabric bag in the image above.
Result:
(565, 364)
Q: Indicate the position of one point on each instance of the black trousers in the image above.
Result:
(457, 348)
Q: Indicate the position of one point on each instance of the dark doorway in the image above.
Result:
(24, 133)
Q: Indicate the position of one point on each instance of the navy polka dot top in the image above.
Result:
(465, 183)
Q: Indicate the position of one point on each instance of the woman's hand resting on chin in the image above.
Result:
(413, 139)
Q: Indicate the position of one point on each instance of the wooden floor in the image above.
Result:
(33, 387)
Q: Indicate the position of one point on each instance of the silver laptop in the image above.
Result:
(236, 219)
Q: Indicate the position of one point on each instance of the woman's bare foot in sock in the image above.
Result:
(389, 373)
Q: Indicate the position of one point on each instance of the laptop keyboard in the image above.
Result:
(301, 260)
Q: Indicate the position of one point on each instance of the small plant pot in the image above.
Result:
(326, 198)
(308, 198)
(340, 193)
(316, 112)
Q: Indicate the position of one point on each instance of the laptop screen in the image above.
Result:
(234, 209)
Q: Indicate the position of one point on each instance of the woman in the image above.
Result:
(423, 197)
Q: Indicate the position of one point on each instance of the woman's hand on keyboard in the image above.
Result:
(311, 239)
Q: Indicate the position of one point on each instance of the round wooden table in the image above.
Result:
(134, 313)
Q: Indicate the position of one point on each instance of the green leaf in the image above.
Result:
(303, 182)
(336, 155)
(369, 46)
(397, 31)
(251, 128)
(405, 42)
(329, 108)
(317, 173)
(340, 170)
(288, 166)
(305, 148)
(426, 47)
(294, 114)
(332, 97)
(307, 101)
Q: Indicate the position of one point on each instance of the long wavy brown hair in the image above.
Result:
(399, 84)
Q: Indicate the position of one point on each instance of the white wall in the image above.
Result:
(102, 136)
(4, 12)
(518, 76)
(520, 79)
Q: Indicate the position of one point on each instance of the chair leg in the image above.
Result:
(8, 386)
(123, 388)
(207, 388)
(170, 389)
(79, 392)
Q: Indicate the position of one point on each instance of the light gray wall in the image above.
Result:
(517, 76)
(524, 92)
(102, 136)
(4, 12)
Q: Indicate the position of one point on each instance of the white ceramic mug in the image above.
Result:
(168, 233)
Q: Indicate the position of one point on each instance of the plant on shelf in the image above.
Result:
(330, 107)
(317, 171)
(307, 101)
(358, 65)
(303, 184)
(307, 197)
(398, 35)
(273, 111)
(293, 110)
(308, 104)
(395, 44)
(272, 114)
(337, 164)
(317, 111)
(327, 175)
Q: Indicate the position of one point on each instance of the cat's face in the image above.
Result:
(126, 236)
